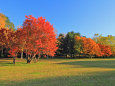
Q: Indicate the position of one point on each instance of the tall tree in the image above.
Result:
(60, 45)
(70, 42)
(78, 45)
(40, 37)
(90, 47)
(7, 38)
(105, 50)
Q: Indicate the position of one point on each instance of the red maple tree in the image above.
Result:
(35, 37)
(105, 50)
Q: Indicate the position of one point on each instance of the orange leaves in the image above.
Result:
(13, 51)
(78, 38)
(90, 47)
(105, 50)
(36, 36)
(39, 35)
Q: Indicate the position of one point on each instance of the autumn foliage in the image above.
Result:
(91, 48)
(39, 36)
(35, 37)
(105, 50)
(2, 21)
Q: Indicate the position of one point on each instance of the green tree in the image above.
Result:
(78, 45)
(70, 42)
(60, 45)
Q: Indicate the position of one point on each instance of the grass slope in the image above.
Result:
(58, 72)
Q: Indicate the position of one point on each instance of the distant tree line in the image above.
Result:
(72, 45)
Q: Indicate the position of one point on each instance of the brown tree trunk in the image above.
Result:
(39, 56)
(47, 56)
(71, 56)
(66, 55)
(91, 57)
(28, 60)
(22, 55)
(79, 55)
(14, 59)
(35, 60)
(2, 52)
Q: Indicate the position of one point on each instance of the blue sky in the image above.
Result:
(85, 16)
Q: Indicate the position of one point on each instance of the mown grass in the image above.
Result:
(58, 72)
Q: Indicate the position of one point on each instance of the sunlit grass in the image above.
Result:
(52, 69)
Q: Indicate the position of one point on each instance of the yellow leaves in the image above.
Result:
(77, 37)
(113, 50)
(2, 20)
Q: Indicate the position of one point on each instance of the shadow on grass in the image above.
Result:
(98, 79)
(11, 64)
(102, 64)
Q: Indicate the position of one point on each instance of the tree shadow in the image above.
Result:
(98, 79)
(5, 64)
(11, 63)
(101, 63)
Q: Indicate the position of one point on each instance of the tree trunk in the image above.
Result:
(22, 55)
(5, 52)
(2, 52)
(33, 57)
(91, 57)
(47, 56)
(28, 60)
(71, 56)
(14, 59)
(66, 55)
(35, 60)
(39, 56)
(79, 55)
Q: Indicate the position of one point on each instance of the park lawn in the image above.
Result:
(58, 72)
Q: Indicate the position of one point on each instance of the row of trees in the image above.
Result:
(35, 38)
(74, 45)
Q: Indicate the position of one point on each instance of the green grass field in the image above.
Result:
(58, 72)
